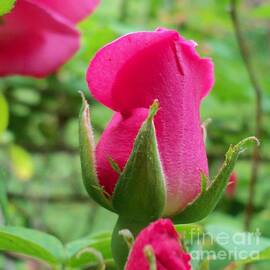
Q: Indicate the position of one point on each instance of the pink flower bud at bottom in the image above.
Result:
(162, 237)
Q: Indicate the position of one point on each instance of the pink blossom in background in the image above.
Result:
(74, 11)
(126, 76)
(38, 36)
(164, 241)
(232, 186)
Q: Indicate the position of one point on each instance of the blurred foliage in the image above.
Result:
(40, 144)
(21, 161)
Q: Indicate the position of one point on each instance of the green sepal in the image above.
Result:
(6, 6)
(140, 191)
(205, 203)
(150, 256)
(204, 181)
(88, 160)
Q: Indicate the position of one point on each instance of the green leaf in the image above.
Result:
(6, 6)
(99, 242)
(4, 114)
(32, 243)
(3, 199)
(189, 232)
(140, 190)
(244, 247)
(21, 162)
(87, 155)
(208, 199)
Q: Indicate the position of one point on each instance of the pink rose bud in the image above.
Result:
(38, 36)
(162, 238)
(232, 186)
(127, 75)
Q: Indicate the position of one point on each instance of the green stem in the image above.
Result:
(120, 248)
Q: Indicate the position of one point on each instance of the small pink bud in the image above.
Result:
(232, 186)
(167, 249)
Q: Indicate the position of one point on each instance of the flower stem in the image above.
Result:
(120, 248)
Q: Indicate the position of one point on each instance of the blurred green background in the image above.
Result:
(39, 149)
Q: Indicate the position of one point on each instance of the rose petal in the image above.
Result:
(116, 143)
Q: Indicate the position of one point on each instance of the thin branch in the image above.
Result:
(123, 10)
(258, 110)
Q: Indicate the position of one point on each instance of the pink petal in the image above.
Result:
(109, 61)
(34, 41)
(136, 69)
(164, 240)
(74, 10)
(116, 143)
